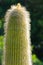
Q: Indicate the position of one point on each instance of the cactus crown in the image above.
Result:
(19, 10)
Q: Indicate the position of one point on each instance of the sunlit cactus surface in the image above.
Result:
(17, 50)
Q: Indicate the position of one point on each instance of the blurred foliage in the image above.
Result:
(36, 14)
(36, 61)
(1, 26)
(1, 49)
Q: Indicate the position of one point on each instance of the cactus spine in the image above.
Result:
(17, 49)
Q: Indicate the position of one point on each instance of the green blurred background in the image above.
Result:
(35, 7)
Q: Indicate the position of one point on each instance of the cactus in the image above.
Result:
(17, 50)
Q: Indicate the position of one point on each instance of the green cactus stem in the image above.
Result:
(17, 50)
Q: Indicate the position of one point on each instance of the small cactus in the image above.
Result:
(17, 49)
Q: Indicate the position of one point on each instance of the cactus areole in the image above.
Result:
(17, 50)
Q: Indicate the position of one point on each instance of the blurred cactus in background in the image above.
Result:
(17, 49)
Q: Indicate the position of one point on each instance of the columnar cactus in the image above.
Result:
(17, 49)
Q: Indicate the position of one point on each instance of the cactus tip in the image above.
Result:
(18, 6)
